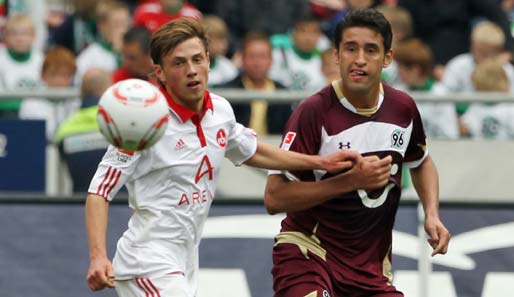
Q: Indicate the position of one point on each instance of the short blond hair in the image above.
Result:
(489, 76)
(399, 18)
(215, 26)
(488, 33)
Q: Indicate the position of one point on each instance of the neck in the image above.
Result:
(362, 99)
(195, 105)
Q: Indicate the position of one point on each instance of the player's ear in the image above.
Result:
(388, 58)
(157, 69)
(335, 53)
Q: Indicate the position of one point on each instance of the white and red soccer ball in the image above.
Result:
(132, 114)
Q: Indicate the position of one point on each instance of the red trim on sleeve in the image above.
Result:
(114, 184)
(98, 192)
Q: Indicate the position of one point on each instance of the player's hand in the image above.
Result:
(371, 172)
(439, 235)
(100, 274)
(340, 160)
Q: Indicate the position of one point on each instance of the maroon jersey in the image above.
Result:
(353, 233)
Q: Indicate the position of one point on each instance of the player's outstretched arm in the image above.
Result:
(426, 182)
(283, 195)
(100, 274)
(271, 157)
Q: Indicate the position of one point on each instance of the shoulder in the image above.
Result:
(320, 102)
(461, 60)
(235, 83)
(219, 103)
(398, 98)
(145, 8)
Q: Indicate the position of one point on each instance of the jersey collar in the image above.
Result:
(185, 113)
(336, 85)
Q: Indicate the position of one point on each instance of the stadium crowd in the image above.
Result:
(440, 47)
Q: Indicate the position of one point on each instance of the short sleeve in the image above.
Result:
(242, 144)
(303, 135)
(417, 148)
(115, 169)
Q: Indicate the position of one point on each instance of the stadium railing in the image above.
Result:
(471, 172)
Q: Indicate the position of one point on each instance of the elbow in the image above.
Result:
(271, 204)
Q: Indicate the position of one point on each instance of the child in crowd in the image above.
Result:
(58, 71)
(113, 20)
(415, 69)
(329, 68)
(20, 63)
(298, 67)
(222, 70)
(489, 120)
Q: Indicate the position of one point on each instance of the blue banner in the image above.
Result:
(22, 155)
(45, 248)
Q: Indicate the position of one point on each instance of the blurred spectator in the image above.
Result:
(486, 120)
(415, 63)
(487, 41)
(446, 25)
(401, 25)
(329, 68)
(326, 9)
(79, 29)
(299, 67)
(137, 62)
(58, 71)
(20, 63)
(222, 69)
(113, 20)
(267, 16)
(264, 118)
(80, 143)
(349, 4)
(154, 14)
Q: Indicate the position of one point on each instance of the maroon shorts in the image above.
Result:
(294, 275)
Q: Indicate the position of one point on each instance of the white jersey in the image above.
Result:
(457, 74)
(20, 75)
(95, 56)
(295, 72)
(171, 186)
(493, 121)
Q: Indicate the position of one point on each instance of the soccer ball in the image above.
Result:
(132, 114)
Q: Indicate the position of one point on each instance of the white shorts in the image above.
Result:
(173, 285)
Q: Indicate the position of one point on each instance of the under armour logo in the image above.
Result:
(342, 145)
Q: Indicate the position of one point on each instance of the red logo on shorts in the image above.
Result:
(221, 138)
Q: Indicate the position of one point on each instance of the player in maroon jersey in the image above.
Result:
(336, 238)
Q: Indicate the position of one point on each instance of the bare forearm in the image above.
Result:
(283, 195)
(426, 182)
(271, 157)
(96, 224)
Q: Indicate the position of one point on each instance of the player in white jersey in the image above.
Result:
(172, 184)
